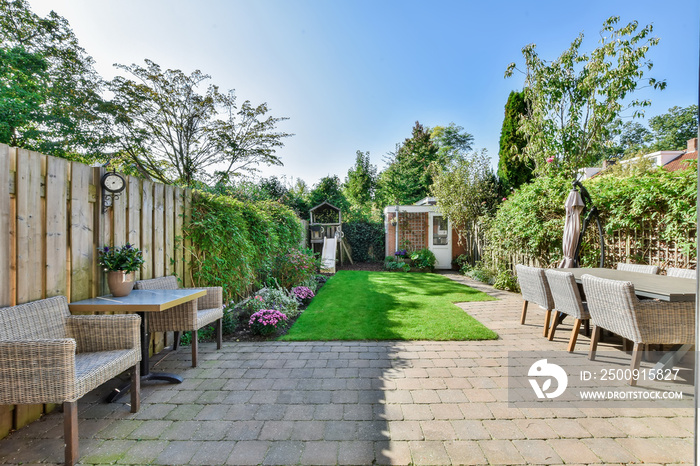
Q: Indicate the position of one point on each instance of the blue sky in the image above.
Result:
(356, 75)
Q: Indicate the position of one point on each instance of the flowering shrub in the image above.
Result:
(401, 253)
(295, 267)
(267, 321)
(303, 293)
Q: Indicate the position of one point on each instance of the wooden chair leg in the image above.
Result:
(547, 316)
(636, 359)
(195, 348)
(594, 342)
(587, 327)
(574, 335)
(176, 340)
(553, 329)
(523, 313)
(70, 431)
(136, 388)
(219, 333)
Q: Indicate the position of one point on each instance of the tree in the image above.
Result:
(513, 168)
(408, 177)
(174, 133)
(50, 101)
(466, 190)
(452, 142)
(671, 130)
(361, 181)
(329, 189)
(575, 101)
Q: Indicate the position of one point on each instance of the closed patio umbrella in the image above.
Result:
(574, 206)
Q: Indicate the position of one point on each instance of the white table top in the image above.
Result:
(138, 301)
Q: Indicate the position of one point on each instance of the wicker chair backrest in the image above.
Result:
(162, 283)
(681, 273)
(567, 298)
(612, 305)
(43, 319)
(534, 286)
(650, 269)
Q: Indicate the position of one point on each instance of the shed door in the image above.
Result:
(440, 241)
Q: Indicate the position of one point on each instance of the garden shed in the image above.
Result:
(420, 226)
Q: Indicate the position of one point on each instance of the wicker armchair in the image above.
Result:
(535, 289)
(681, 273)
(614, 306)
(567, 300)
(650, 269)
(48, 355)
(190, 316)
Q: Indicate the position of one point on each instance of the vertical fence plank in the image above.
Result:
(169, 230)
(179, 234)
(13, 227)
(158, 230)
(4, 233)
(119, 231)
(147, 228)
(81, 233)
(187, 272)
(133, 215)
(56, 226)
(29, 227)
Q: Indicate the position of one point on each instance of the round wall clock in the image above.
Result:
(113, 182)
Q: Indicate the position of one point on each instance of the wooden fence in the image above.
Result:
(640, 246)
(52, 224)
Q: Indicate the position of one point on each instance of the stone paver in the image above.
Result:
(321, 403)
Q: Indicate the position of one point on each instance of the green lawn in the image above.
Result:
(357, 305)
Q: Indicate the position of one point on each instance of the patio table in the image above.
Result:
(647, 285)
(142, 302)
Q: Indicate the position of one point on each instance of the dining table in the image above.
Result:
(650, 286)
(143, 302)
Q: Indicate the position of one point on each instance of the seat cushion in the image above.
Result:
(207, 316)
(94, 369)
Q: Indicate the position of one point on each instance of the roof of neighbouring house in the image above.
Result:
(691, 153)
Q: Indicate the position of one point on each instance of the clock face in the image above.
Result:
(113, 182)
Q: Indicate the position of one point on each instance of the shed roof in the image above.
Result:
(324, 203)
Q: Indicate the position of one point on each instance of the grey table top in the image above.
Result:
(138, 300)
(646, 285)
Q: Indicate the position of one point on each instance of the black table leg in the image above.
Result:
(146, 373)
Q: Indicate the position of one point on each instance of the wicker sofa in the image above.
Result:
(48, 355)
(190, 316)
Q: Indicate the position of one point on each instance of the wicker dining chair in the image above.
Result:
(613, 306)
(189, 316)
(48, 355)
(535, 289)
(650, 269)
(681, 273)
(567, 300)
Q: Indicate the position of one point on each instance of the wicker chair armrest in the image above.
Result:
(213, 299)
(105, 332)
(666, 322)
(37, 371)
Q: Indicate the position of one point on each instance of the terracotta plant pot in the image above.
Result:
(120, 283)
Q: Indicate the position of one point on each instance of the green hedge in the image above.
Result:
(234, 243)
(531, 220)
(366, 240)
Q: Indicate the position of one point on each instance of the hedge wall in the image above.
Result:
(234, 242)
(366, 240)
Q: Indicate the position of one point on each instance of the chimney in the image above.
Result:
(692, 145)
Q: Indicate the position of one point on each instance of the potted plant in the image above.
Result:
(120, 264)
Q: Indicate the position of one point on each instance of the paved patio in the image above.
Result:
(359, 403)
